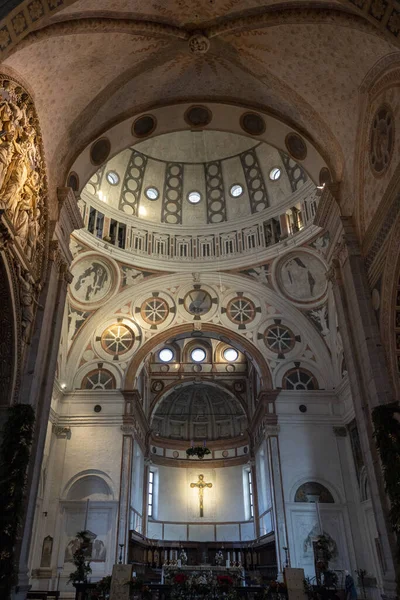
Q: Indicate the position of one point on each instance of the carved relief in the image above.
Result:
(22, 174)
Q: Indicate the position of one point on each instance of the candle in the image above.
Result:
(234, 556)
(239, 557)
(204, 443)
(192, 443)
(170, 554)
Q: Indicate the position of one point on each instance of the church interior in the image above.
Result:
(200, 293)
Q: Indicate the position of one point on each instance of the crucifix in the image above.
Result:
(201, 484)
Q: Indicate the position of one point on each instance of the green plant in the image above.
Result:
(199, 451)
(82, 564)
(386, 419)
(14, 458)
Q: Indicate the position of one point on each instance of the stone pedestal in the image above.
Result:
(120, 576)
(294, 579)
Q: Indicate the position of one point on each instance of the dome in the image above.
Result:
(199, 411)
(196, 178)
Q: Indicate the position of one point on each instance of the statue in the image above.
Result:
(201, 485)
(349, 587)
(27, 301)
(183, 557)
(219, 558)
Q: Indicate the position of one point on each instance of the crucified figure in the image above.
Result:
(201, 484)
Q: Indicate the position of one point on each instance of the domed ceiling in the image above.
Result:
(199, 411)
(193, 178)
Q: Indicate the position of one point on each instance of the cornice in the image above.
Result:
(223, 444)
(206, 463)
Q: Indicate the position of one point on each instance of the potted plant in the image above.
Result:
(80, 560)
(103, 587)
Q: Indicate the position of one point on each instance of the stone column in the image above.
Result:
(278, 501)
(125, 492)
(365, 360)
(37, 376)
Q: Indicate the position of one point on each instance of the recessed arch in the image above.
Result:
(208, 330)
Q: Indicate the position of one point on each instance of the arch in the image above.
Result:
(312, 491)
(91, 480)
(208, 330)
(304, 365)
(337, 498)
(87, 368)
(171, 118)
(169, 388)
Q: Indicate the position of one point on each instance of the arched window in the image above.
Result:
(313, 492)
(99, 379)
(299, 379)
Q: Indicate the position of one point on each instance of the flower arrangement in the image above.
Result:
(103, 588)
(224, 581)
(180, 579)
(137, 585)
(199, 451)
(80, 560)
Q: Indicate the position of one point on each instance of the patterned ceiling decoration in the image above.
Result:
(199, 411)
(280, 339)
(133, 182)
(240, 309)
(171, 211)
(155, 179)
(296, 146)
(255, 181)
(296, 173)
(119, 338)
(215, 193)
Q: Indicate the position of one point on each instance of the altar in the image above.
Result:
(169, 572)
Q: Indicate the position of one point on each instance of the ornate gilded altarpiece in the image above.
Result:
(23, 227)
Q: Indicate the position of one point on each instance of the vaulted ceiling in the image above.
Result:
(91, 63)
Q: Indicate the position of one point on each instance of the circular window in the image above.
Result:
(198, 354)
(230, 354)
(166, 355)
(194, 197)
(274, 174)
(117, 339)
(279, 338)
(112, 177)
(152, 193)
(236, 190)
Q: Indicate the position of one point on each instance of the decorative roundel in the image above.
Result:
(252, 123)
(117, 339)
(197, 302)
(301, 276)
(279, 338)
(95, 280)
(154, 310)
(99, 151)
(225, 453)
(157, 386)
(296, 146)
(324, 176)
(198, 116)
(381, 142)
(299, 379)
(175, 454)
(144, 126)
(241, 310)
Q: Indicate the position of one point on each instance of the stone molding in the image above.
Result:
(340, 431)
(62, 432)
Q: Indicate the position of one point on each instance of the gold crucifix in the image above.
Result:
(201, 484)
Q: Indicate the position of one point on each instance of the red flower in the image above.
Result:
(224, 580)
(180, 578)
